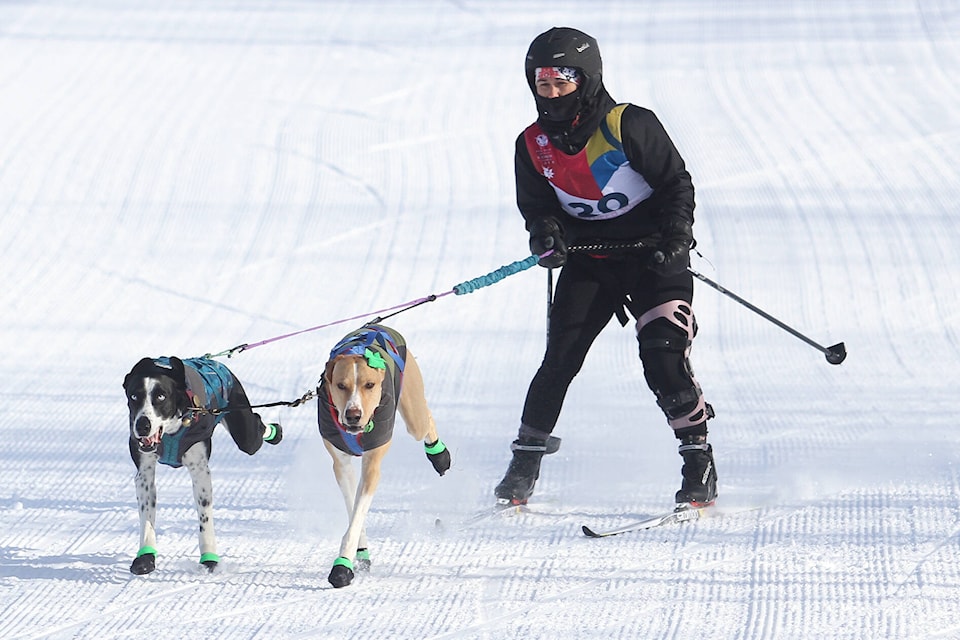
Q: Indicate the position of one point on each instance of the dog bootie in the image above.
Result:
(209, 561)
(341, 574)
(699, 486)
(273, 433)
(438, 455)
(524, 470)
(145, 562)
(362, 561)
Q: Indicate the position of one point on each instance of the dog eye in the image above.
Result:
(341, 386)
(161, 397)
(134, 397)
(369, 385)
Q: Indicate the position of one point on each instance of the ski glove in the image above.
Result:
(546, 234)
(672, 254)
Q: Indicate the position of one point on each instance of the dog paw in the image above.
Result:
(342, 573)
(143, 564)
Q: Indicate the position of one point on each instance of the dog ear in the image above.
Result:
(328, 371)
(144, 364)
(179, 377)
(179, 373)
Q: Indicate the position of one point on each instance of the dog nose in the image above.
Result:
(352, 416)
(142, 427)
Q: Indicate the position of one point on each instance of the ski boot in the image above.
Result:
(517, 485)
(699, 488)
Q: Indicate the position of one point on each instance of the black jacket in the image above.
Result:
(650, 153)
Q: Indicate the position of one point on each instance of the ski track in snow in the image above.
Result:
(182, 179)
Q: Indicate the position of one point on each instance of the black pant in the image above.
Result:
(588, 293)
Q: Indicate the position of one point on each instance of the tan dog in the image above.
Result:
(369, 377)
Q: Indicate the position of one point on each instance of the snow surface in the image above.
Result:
(178, 178)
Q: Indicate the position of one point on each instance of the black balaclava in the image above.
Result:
(569, 120)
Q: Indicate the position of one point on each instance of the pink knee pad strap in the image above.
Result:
(677, 312)
(693, 418)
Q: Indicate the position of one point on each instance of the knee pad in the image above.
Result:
(665, 334)
(685, 409)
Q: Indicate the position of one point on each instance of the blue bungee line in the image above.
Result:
(461, 289)
(496, 276)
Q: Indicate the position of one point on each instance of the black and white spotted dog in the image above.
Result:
(175, 405)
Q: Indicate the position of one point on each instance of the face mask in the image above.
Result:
(562, 109)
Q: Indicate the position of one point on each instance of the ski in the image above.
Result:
(498, 510)
(683, 515)
(501, 508)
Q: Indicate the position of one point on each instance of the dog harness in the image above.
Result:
(208, 386)
(597, 183)
(383, 348)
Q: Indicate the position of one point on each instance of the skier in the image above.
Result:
(590, 171)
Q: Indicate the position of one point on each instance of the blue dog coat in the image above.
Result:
(209, 384)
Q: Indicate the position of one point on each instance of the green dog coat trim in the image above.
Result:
(146, 551)
(208, 557)
(363, 554)
(435, 448)
(374, 359)
(343, 562)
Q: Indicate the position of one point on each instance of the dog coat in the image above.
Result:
(208, 387)
(383, 348)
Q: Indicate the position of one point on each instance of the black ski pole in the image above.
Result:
(549, 300)
(835, 354)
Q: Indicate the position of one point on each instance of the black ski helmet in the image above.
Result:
(566, 47)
